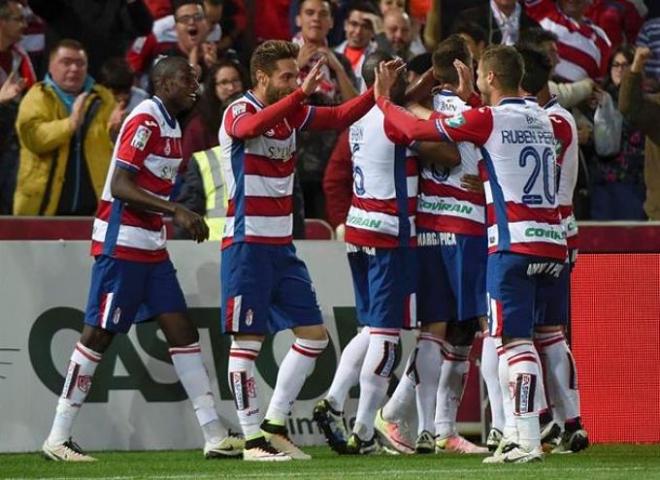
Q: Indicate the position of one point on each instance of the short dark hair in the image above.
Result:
(452, 48)
(506, 63)
(116, 74)
(266, 56)
(362, 6)
(471, 29)
(176, 4)
(420, 63)
(537, 69)
(167, 67)
(330, 4)
(534, 37)
(69, 43)
(371, 64)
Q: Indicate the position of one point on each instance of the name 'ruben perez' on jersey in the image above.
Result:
(443, 204)
(385, 182)
(517, 144)
(149, 144)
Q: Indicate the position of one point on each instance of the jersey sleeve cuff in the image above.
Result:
(127, 166)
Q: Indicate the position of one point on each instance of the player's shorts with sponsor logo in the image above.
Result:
(555, 298)
(451, 282)
(124, 292)
(516, 285)
(265, 289)
(384, 283)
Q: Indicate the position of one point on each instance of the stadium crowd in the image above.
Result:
(72, 70)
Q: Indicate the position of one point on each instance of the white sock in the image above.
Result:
(428, 362)
(510, 431)
(76, 387)
(294, 370)
(374, 378)
(453, 374)
(403, 397)
(242, 355)
(348, 370)
(489, 372)
(560, 374)
(189, 366)
(525, 375)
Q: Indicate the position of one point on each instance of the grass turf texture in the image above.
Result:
(598, 462)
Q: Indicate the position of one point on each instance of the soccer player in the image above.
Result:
(380, 231)
(526, 243)
(133, 279)
(556, 356)
(265, 287)
(451, 293)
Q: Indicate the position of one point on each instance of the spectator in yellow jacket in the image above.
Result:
(65, 147)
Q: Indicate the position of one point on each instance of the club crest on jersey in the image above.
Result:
(141, 138)
(456, 121)
(168, 149)
(249, 317)
(116, 316)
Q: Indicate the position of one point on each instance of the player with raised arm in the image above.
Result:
(550, 336)
(451, 293)
(380, 234)
(265, 287)
(133, 279)
(527, 248)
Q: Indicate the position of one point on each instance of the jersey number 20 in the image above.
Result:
(542, 164)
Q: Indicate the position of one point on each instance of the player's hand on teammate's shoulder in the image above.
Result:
(191, 221)
(472, 183)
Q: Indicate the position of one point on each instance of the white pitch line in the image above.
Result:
(359, 473)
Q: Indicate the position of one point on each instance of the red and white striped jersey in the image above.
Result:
(517, 145)
(259, 174)
(443, 205)
(584, 48)
(149, 144)
(565, 130)
(385, 181)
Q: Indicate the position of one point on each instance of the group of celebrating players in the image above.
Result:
(460, 225)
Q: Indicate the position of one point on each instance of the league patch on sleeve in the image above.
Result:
(238, 109)
(141, 138)
(455, 121)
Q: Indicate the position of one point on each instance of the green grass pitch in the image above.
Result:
(627, 462)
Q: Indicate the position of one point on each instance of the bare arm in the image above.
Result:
(638, 110)
(433, 30)
(124, 188)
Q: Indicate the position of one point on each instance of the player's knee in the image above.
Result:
(437, 329)
(96, 339)
(311, 332)
(462, 333)
(548, 328)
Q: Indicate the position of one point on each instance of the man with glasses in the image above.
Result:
(16, 74)
(192, 32)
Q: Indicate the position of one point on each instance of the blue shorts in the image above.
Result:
(452, 277)
(124, 292)
(515, 284)
(384, 284)
(554, 301)
(265, 289)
